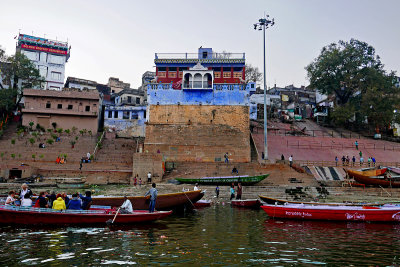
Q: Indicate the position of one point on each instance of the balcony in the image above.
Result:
(199, 56)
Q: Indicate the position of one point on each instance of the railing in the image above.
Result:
(98, 143)
(199, 56)
(198, 85)
(322, 163)
(321, 145)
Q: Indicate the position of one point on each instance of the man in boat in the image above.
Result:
(42, 200)
(10, 201)
(153, 196)
(74, 203)
(126, 207)
(239, 191)
(196, 187)
(232, 192)
(86, 200)
(24, 191)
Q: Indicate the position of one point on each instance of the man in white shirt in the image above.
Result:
(126, 207)
(290, 160)
(149, 178)
(196, 187)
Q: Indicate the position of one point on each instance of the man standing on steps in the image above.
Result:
(356, 144)
(290, 160)
(80, 165)
(226, 156)
(149, 178)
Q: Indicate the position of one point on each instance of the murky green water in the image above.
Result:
(219, 235)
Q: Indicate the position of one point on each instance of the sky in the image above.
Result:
(119, 38)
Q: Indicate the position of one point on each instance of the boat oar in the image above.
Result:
(108, 222)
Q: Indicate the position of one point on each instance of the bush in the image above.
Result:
(13, 156)
(72, 142)
(50, 141)
(76, 138)
(81, 132)
(41, 156)
(31, 123)
(33, 156)
(54, 136)
(74, 129)
(59, 130)
(32, 140)
(67, 131)
(13, 141)
(2, 154)
(19, 155)
(90, 132)
(35, 134)
(40, 128)
(49, 130)
(91, 157)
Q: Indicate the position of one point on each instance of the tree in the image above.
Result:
(20, 73)
(343, 69)
(252, 74)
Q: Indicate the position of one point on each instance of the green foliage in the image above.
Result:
(67, 131)
(32, 140)
(81, 132)
(91, 157)
(65, 156)
(72, 142)
(54, 136)
(33, 156)
(2, 154)
(13, 155)
(35, 134)
(74, 129)
(50, 141)
(13, 141)
(59, 130)
(19, 155)
(41, 156)
(90, 132)
(49, 130)
(76, 138)
(31, 123)
(20, 131)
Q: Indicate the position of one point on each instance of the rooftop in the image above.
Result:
(66, 93)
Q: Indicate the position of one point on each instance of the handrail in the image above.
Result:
(97, 144)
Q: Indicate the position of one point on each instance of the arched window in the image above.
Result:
(207, 80)
(198, 81)
(187, 81)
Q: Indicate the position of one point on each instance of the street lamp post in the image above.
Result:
(264, 23)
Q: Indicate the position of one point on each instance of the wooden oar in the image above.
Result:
(108, 222)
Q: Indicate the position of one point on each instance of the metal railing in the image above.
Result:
(323, 163)
(361, 146)
(200, 56)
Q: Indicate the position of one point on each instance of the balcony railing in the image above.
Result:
(206, 85)
(200, 56)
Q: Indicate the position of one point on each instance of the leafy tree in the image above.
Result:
(252, 74)
(343, 69)
(21, 73)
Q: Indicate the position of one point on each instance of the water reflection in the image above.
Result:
(217, 235)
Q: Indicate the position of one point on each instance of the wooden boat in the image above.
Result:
(202, 203)
(246, 203)
(374, 177)
(163, 202)
(273, 201)
(389, 213)
(33, 216)
(227, 180)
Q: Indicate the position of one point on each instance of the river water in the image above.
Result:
(219, 235)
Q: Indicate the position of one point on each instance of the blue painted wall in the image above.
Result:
(220, 94)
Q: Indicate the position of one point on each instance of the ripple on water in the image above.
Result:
(119, 262)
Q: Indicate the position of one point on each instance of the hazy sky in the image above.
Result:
(119, 38)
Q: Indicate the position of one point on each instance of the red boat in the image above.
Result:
(386, 213)
(246, 203)
(374, 177)
(202, 203)
(164, 201)
(33, 216)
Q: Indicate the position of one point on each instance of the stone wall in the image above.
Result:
(148, 162)
(199, 133)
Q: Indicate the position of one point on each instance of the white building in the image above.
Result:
(49, 57)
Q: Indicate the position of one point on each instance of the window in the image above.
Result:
(171, 69)
(56, 75)
(205, 54)
(182, 68)
(43, 57)
(87, 108)
(59, 106)
(218, 69)
(171, 74)
(162, 74)
(237, 69)
(129, 99)
(138, 100)
(43, 71)
(237, 75)
(125, 115)
(162, 69)
(225, 69)
(109, 114)
(70, 106)
(144, 114)
(135, 116)
(34, 56)
(115, 114)
(217, 74)
(54, 88)
(48, 105)
(227, 74)
(56, 59)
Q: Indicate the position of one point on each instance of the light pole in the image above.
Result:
(264, 23)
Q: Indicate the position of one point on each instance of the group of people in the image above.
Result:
(61, 160)
(55, 201)
(346, 160)
(290, 159)
(232, 191)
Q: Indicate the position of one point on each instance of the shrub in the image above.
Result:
(65, 156)
(91, 157)
(32, 140)
(19, 155)
(81, 132)
(67, 131)
(40, 128)
(72, 142)
(33, 156)
(74, 129)
(90, 132)
(54, 136)
(50, 141)
(31, 123)
(49, 130)
(13, 155)
(54, 124)
(59, 130)
(35, 134)
(2, 154)
(76, 138)
(41, 156)
(13, 141)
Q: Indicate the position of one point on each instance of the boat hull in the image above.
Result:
(202, 204)
(163, 202)
(33, 216)
(244, 180)
(247, 203)
(362, 178)
(273, 201)
(329, 213)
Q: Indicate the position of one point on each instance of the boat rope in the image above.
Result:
(189, 199)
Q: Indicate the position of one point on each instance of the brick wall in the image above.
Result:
(199, 133)
(148, 162)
